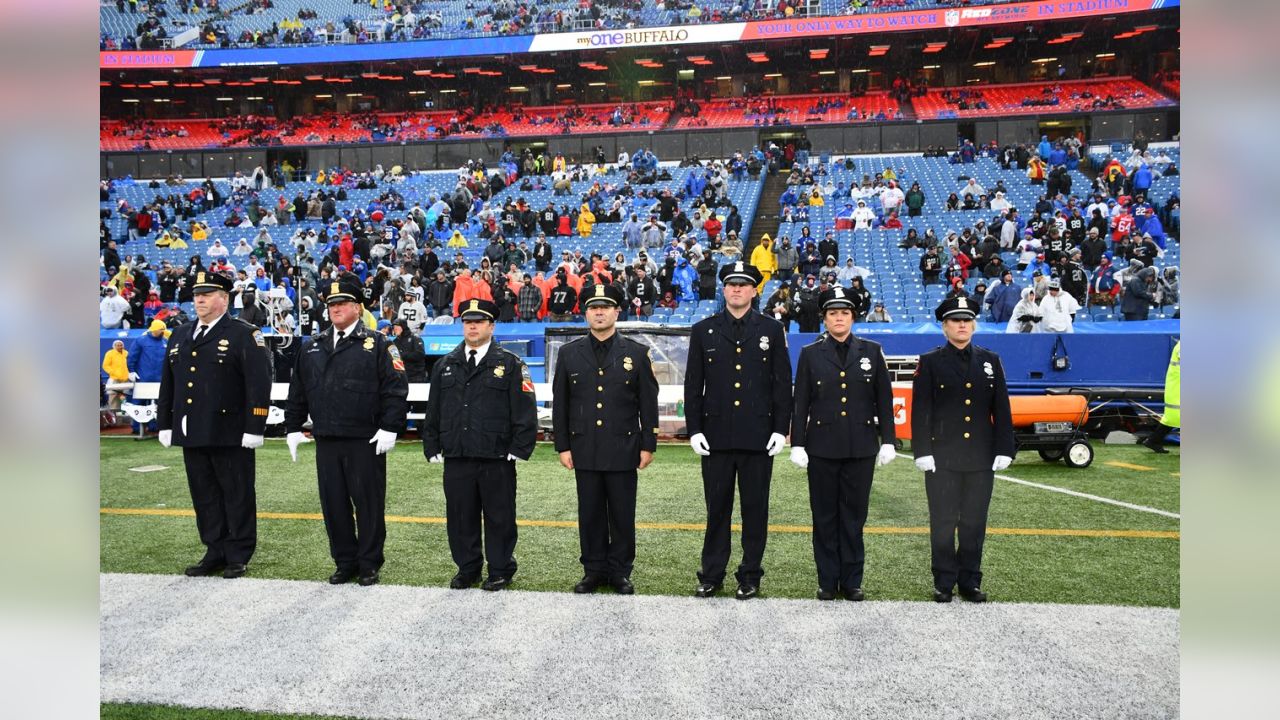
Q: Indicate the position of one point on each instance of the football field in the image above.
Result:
(1108, 535)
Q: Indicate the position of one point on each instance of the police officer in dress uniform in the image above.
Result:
(215, 390)
(961, 435)
(843, 423)
(605, 417)
(737, 394)
(482, 418)
(352, 383)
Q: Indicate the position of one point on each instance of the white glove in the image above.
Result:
(1002, 463)
(926, 464)
(250, 442)
(385, 441)
(133, 377)
(437, 458)
(293, 440)
(698, 442)
(799, 457)
(886, 455)
(513, 458)
(776, 443)
(165, 437)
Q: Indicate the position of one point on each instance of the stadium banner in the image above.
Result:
(944, 18)
(637, 37)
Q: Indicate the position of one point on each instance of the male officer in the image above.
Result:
(351, 381)
(737, 395)
(843, 423)
(605, 417)
(961, 435)
(482, 417)
(215, 389)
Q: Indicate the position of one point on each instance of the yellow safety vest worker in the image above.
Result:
(1173, 389)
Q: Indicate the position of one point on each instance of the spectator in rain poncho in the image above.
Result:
(1026, 314)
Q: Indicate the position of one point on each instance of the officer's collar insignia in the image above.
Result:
(764, 342)
(986, 368)
(865, 364)
(199, 277)
(499, 371)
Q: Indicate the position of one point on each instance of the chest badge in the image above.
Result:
(865, 364)
(499, 371)
(764, 342)
(627, 364)
(368, 343)
(986, 368)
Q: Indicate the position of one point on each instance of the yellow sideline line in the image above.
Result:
(1126, 466)
(799, 529)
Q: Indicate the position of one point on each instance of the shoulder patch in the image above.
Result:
(259, 339)
(394, 352)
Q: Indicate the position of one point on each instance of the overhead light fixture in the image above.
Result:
(985, 63)
(564, 86)
(355, 94)
(860, 70)
(417, 92)
(322, 96)
(227, 99)
(321, 77)
(518, 88)
(1105, 56)
(254, 97)
(644, 82)
(596, 84)
(1041, 61)
(878, 50)
(818, 53)
(696, 58)
(448, 90)
(826, 72)
(212, 81)
(369, 75)
(932, 67)
(130, 100)
(773, 75)
(159, 83)
(724, 77)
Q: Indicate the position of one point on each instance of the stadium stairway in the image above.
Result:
(767, 211)
(908, 110)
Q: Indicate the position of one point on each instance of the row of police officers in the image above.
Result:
(481, 421)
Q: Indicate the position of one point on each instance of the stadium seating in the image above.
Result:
(453, 19)
(895, 277)
(789, 109)
(1004, 100)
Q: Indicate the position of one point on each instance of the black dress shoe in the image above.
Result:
(941, 596)
(462, 582)
(588, 584)
(746, 591)
(825, 594)
(368, 577)
(854, 594)
(706, 590)
(495, 583)
(342, 575)
(974, 595)
(623, 586)
(235, 570)
(204, 567)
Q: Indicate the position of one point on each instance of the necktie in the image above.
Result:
(200, 332)
(471, 360)
(338, 338)
(737, 330)
(842, 349)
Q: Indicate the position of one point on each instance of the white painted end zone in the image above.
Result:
(400, 652)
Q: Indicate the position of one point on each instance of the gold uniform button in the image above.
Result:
(843, 413)
(599, 423)
(737, 367)
(841, 373)
(966, 436)
(966, 418)
(968, 385)
(193, 368)
(599, 406)
(739, 350)
(189, 401)
(843, 400)
(737, 385)
(843, 386)
(191, 384)
(600, 371)
(193, 353)
(967, 401)
(942, 387)
(599, 388)
(736, 403)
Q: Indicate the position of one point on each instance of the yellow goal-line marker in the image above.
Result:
(799, 529)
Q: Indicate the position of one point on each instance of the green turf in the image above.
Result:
(1127, 571)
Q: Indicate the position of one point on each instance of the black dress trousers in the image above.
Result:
(753, 471)
(839, 493)
(352, 476)
(221, 480)
(476, 488)
(607, 521)
(958, 502)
